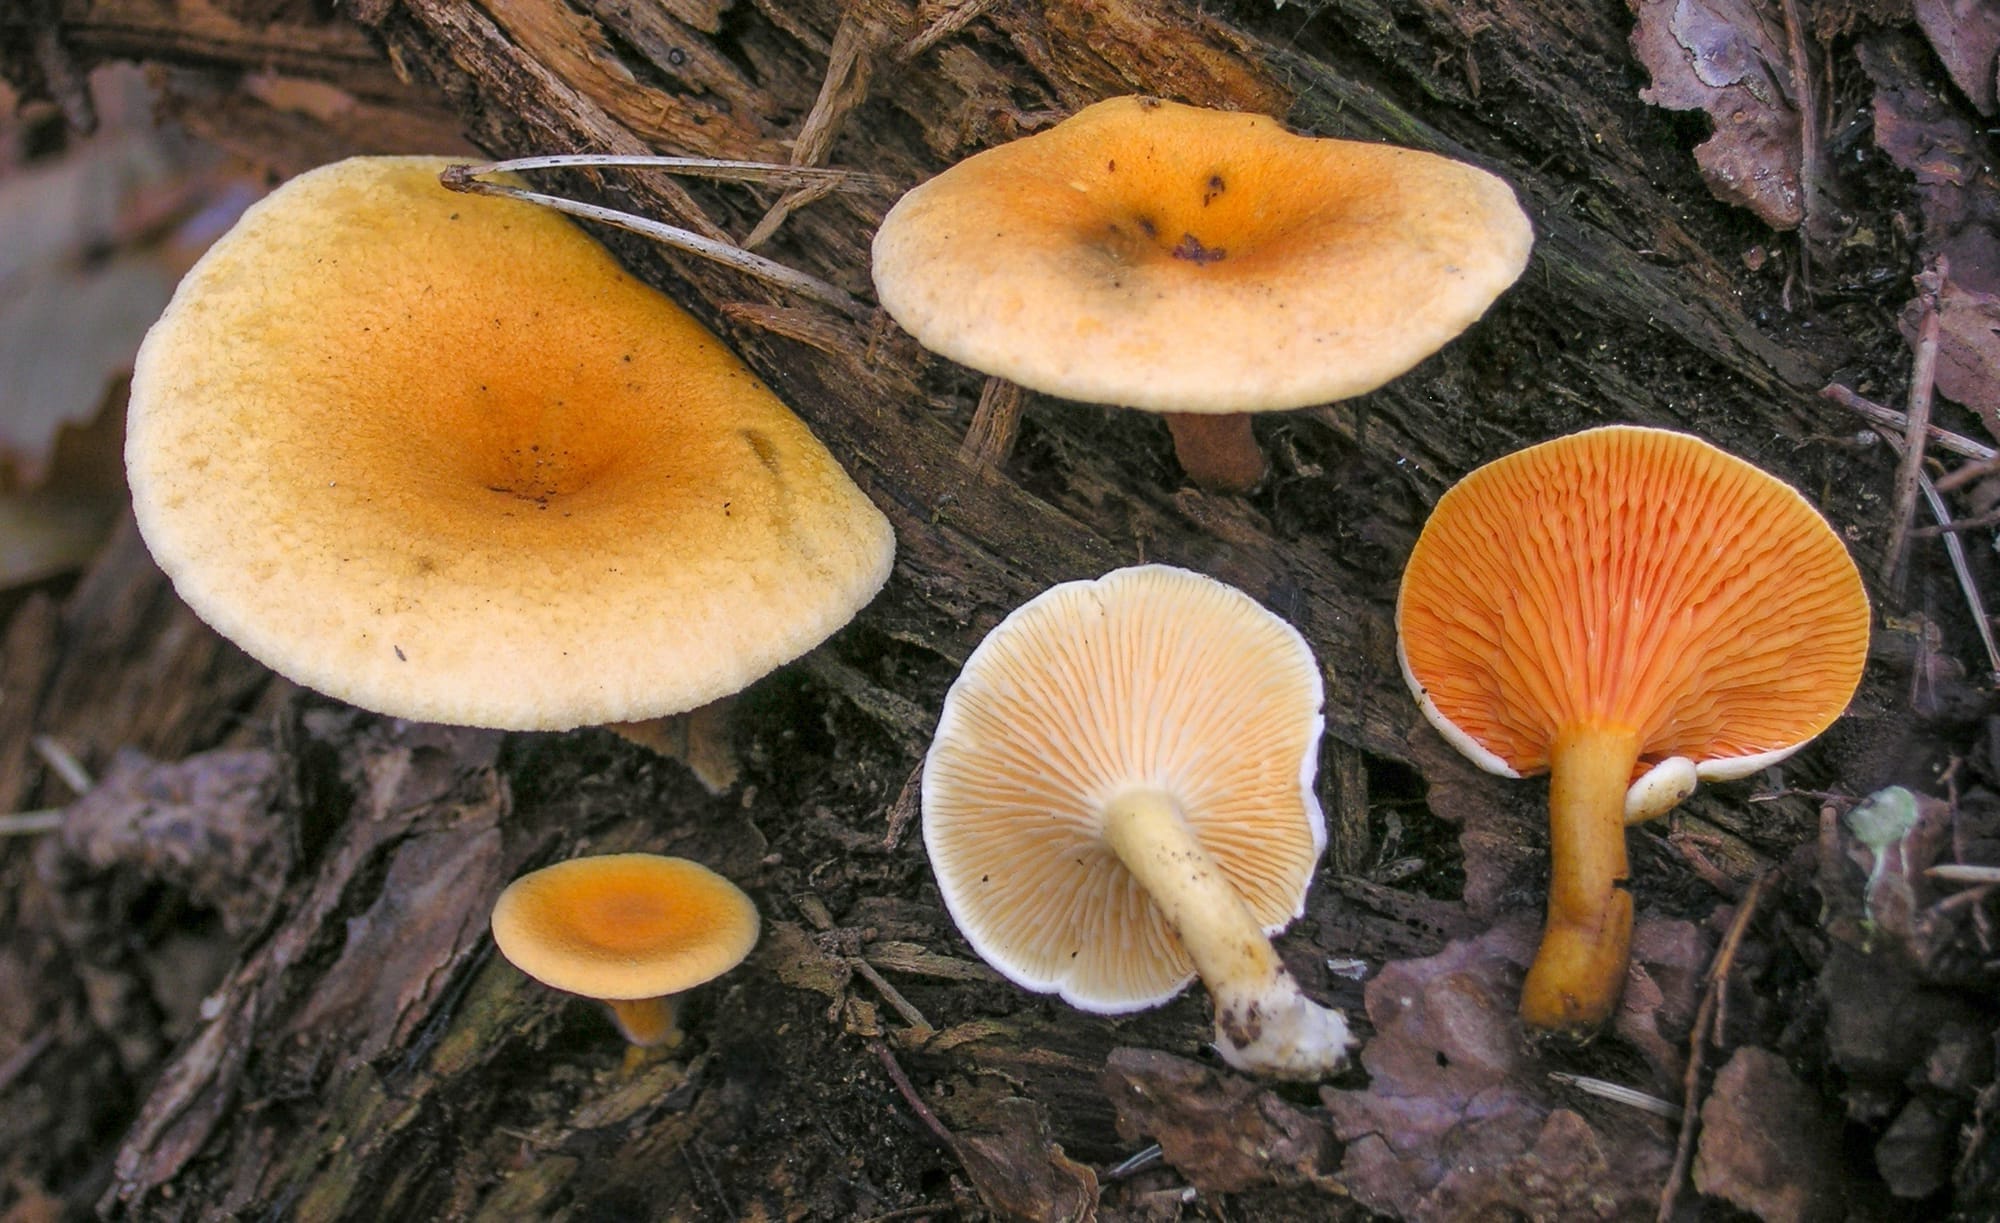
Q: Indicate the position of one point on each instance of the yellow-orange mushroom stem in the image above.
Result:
(1578, 973)
(651, 1023)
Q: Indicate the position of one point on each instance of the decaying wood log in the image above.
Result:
(365, 1056)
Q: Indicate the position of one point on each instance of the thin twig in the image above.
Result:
(1954, 550)
(914, 1212)
(1916, 426)
(905, 809)
(63, 763)
(24, 1057)
(1708, 1021)
(459, 178)
(910, 1096)
(1890, 418)
(850, 66)
(30, 823)
(1988, 519)
(1960, 872)
(893, 996)
(1989, 466)
(956, 18)
(1802, 95)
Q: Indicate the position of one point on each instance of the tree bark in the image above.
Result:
(363, 1054)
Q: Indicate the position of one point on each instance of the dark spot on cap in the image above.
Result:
(1147, 227)
(1214, 188)
(767, 454)
(1111, 167)
(1191, 249)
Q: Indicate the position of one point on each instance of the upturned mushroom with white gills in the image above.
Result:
(1201, 263)
(1629, 610)
(439, 456)
(1119, 796)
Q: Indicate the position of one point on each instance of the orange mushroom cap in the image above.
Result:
(1178, 259)
(624, 926)
(1631, 577)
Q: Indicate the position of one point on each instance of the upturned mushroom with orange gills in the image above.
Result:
(1629, 610)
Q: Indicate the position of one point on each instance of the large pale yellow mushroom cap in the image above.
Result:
(440, 456)
(1178, 259)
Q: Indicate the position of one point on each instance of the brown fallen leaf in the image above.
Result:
(1769, 1144)
(1224, 1132)
(204, 826)
(1966, 36)
(1459, 1119)
(1915, 1154)
(1727, 57)
(1020, 1173)
(1925, 133)
(1968, 358)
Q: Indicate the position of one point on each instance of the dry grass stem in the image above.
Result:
(1605, 1089)
(460, 178)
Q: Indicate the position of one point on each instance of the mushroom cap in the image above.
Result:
(1168, 257)
(624, 926)
(1632, 578)
(1147, 677)
(440, 456)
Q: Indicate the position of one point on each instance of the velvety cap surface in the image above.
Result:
(1635, 578)
(438, 455)
(1148, 677)
(1169, 257)
(624, 926)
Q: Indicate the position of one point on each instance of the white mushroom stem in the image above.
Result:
(1263, 1023)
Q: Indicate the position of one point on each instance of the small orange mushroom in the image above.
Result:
(631, 930)
(1628, 609)
(1201, 263)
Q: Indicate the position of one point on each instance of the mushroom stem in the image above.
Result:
(1218, 452)
(1262, 1022)
(698, 738)
(648, 1022)
(1578, 973)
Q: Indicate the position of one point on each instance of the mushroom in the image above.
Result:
(1628, 609)
(632, 930)
(1119, 796)
(439, 456)
(1201, 263)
